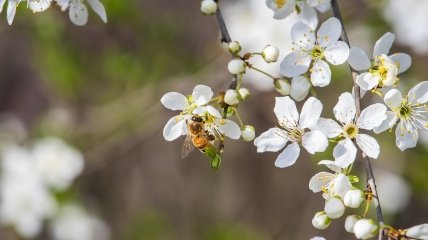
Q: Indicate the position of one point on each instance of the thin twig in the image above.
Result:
(367, 162)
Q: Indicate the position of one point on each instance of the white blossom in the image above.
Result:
(321, 221)
(208, 7)
(350, 129)
(350, 222)
(331, 184)
(365, 228)
(410, 113)
(236, 66)
(294, 129)
(248, 133)
(282, 86)
(353, 198)
(310, 51)
(270, 54)
(244, 93)
(300, 87)
(383, 70)
(231, 97)
(234, 47)
(418, 232)
(78, 12)
(334, 208)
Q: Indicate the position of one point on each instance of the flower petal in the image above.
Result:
(372, 116)
(367, 81)
(285, 109)
(358, 59)
(311, 112)
(229, 128)
(388, 123)
(99, 9)
(402, 60)
(405, 138)
(329, 32)
(175, 127)
(39, 6)
(331, 165)
(418, 231)
(344, 111)
(383, 45)
(337, 53)
(419, 93)
(344, 153)
(270, 141)
(320, 181)
(2, 2)
(314, 141)
(202, 94)
(11, 11)
(289, 156)
(300, 87)
(308, 15)
(368, 145)
(78, 13)
(282, 12)
(302, 36)
(295, 64)
(329, 127)
(393, 98)
(174, 101)
(213, 112)
(321, 74)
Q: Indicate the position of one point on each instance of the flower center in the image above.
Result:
(280, 3)
(291, 130)
(317, 52)
(350, 130)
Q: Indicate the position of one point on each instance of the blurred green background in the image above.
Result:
(99, 86)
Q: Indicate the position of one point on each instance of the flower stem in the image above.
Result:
(367, 162)
(262, 72)
(239, 118)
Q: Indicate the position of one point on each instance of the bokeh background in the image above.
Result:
(98, 87)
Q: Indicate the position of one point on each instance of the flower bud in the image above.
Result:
(244, 93)
(365, 228)
(418, 232)
(231, 97)
(208, 7)
(334, 208)
(270, 54)
(234, 47)
(282, 86)
(350, 222)
(248, 133)
(353, 198)
(321, 221)
(317, 238)
(236, 66)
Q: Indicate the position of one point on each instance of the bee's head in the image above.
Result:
(197, 119)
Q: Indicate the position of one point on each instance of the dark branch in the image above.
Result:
(367, 162)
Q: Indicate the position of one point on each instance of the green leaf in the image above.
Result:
(215, 158)
(353, 179)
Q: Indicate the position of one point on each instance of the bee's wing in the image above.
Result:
(187, 147)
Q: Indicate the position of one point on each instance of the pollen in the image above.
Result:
(317, 53)
(280, 3)
(351, 130)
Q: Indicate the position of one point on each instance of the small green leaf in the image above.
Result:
(353, 179)
(215, 158)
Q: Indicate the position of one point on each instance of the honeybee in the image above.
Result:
(198, 136)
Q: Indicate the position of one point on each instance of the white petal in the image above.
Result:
(308, 15)
(311, 112)
(337, 53)
(270, 141)
(368, 145)
(321, 74)
(300, 87)
(295, 64)
(175, 127)
(289, 156)
(383, 45)
(78, 13)
(202, 94)
(331, 165)
(388, 123)
(367, 81)
(314, 141)
(174, 101)
(213, 112)
(358, 59)
(39, 6)
(99, 9)
(229, 128)
(303, 36)
(393, 98)
(320, 181)
(405, 138)
(372, 116)
(419, 93)
(341, 184)
(282, 12)
(402, 60)
(344, 111)
(285, 108)
(324, 7)
(2, 2)
(11, 10)
(344, 153)
(329, 127)
(329, 32)
(418, 232)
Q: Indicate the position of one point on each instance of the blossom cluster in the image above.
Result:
(77, 9)
(30, 181)
(303, 69)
